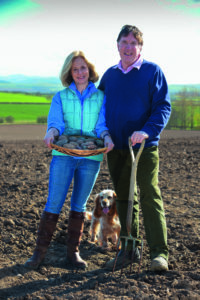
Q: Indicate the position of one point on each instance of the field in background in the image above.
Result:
(23, 98)
(185, 110)
(21, 108)
(24, 113)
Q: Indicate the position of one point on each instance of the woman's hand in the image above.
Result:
(138, 137)
(108, 143)
(49, 137)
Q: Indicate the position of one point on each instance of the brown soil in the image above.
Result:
(24, 164)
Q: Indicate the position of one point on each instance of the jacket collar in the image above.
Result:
(91, 88)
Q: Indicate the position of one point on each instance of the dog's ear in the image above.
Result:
(97, 208)
(113, 209)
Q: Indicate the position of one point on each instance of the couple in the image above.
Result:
(132, 99)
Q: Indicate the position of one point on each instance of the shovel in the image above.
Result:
(130, 210)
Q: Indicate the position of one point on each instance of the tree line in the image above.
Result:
(185, 111)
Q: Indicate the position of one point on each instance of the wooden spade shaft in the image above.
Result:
(132, 184)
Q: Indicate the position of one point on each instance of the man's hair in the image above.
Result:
(65, 74)
(126, 29)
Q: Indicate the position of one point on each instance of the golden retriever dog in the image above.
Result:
(104, 219)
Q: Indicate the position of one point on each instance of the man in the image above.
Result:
(137, 105)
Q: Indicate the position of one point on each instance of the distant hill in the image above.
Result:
(50, 85)
(30, 84)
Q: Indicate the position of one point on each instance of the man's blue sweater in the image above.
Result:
(136, 101)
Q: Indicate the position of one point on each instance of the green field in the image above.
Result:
(23, 108)
(24, 113)
(185, 115)
(22, 98)
(27, 108)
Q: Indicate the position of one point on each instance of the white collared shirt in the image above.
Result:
(137, 64)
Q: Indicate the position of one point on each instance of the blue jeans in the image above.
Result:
(62, 170)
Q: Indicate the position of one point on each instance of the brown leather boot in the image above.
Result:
(46, 229)
(75, 231)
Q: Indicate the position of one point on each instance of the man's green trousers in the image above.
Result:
(120, 164)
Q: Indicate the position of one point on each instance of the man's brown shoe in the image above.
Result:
(123, 260)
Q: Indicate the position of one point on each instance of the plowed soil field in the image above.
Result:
(24, 168)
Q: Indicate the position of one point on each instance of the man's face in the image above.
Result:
(129, 50)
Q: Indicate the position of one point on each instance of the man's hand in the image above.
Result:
(108, 143)
(49, 137)
(138, 137)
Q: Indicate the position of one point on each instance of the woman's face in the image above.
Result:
(80, 71)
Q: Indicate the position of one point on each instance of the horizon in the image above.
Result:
(54, 77)
(36, 36)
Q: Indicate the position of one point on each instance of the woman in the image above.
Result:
(76, 110)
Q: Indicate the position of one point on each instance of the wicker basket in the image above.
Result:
(77, 152)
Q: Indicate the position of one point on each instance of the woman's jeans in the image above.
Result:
(63, 169)
(119, 163)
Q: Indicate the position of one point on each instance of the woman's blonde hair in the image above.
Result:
(65, 74)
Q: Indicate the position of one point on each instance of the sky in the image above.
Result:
(36, 36)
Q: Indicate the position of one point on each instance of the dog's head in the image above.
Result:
(105, 203)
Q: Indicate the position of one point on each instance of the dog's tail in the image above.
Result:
(88, 215)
